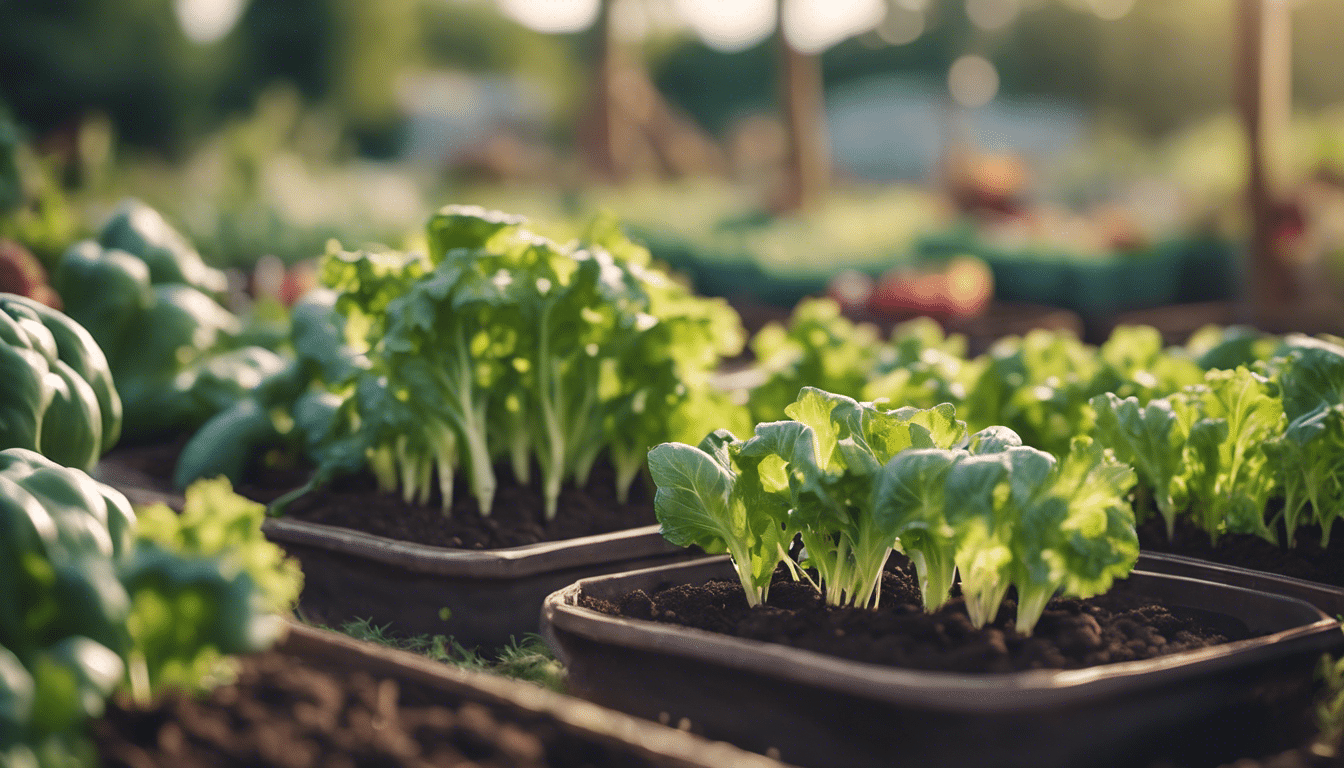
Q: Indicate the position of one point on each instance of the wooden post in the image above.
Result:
(604, 135)
(1263, 69)
(803, 101)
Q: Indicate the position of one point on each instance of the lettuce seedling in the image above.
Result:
(853, 482)
(1041, 384)
(1040, 525)
(1309, 455)
(1201, 451)
(922, 367)
(833, 453)
(713, 498)
(1037, 385)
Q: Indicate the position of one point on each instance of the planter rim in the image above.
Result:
(978, 693)
(603, 725)
(503, 563)
(500, 563)
(1292, 585)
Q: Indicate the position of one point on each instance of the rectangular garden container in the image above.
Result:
(627, 740)
(1198, 707)
(489, 595)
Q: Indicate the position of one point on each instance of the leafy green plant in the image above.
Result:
(93, 602)
(1201, 451)
(1037, 385)
(58, 398)
(1231, 346)
(502, 346)
(1309, 455)
(1329, 710)
(1040, 385)
(853, 482)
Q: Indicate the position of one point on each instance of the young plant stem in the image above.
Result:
(1030, 605)
(471, 417)
(552, 456)
(627, 465)
(935, 568)
(870, 557)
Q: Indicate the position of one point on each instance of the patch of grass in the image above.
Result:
(526, 658)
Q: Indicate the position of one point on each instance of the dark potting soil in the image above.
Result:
(1306, 559)
(1072, 633)
(516, 518)
(288, 713)
(269, 475)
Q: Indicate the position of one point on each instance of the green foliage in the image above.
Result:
(922, 367)
(58, 397)
(1228, 347)
(853, 481)
(1040, 385)
(820, 348)
(1309, 455)
(217, 523)
(703, 501)
(145, 296)
(292, 408)
(501, 345)
(1037, 386)
(1202, 451)
(93, 602)
(1329, 710)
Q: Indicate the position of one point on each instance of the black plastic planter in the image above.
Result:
(1327, 597)
(1198, 707)
(489, 595)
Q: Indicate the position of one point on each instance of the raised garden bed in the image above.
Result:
(324, 699)
(1197, 707)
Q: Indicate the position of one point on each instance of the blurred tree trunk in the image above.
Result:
(629, 129)
(602, 139)
(803, 102)
(1264, 98)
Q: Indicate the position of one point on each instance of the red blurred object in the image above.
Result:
(963, 287)
(21, 273)
(270, 278)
